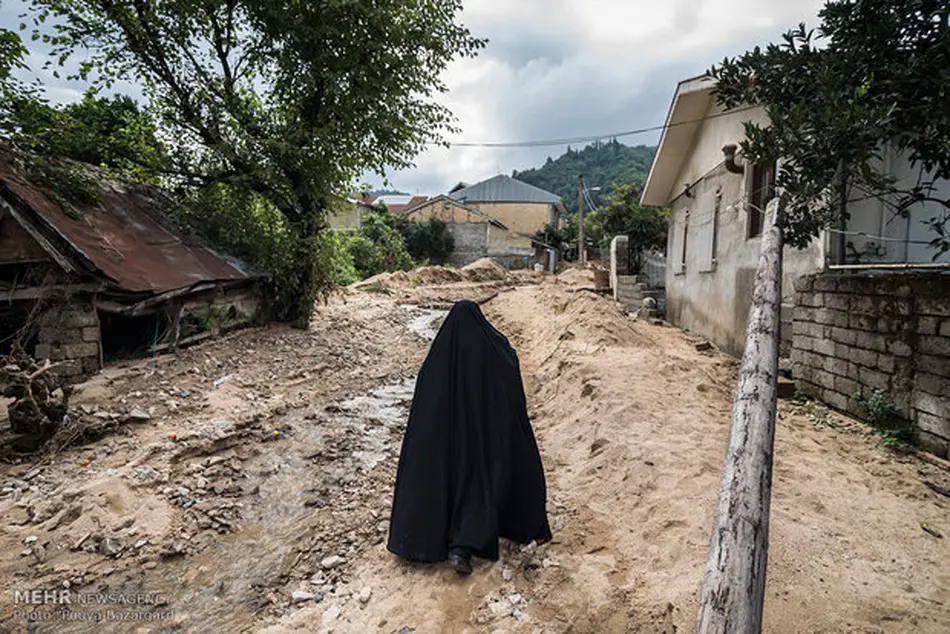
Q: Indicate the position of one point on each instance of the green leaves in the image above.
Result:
(878, 77)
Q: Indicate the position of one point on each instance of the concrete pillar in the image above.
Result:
(619, 261)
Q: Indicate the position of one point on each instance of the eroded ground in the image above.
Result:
(256, 495)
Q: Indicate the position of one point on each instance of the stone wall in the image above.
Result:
(70, 333)
(859, 332)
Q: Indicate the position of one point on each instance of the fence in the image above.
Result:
(653, 269)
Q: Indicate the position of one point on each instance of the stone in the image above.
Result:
(110, 547)
(514, 599)
(301, 596)
(331, 562)
(500, 608)
(138, 415)
(365, 595)
(90, 334)
(331, 615)
(703, 346)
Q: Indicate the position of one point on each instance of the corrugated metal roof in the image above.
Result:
(123, 236)
(504, 189)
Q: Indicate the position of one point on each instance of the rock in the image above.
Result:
(318, 579)
(138, 416)
(300, 596)
(365, 595)
(550, 563)
(514, 599)
(500, 608)
(110, 547)
(703, 346)
(331, 615)
(331, 562)
(506, 574)
(30, 540)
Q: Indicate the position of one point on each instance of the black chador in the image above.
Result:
(469, 470)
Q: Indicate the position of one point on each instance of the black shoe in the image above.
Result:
(461, 560)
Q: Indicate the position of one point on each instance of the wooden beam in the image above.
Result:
(733, 589)
(36, 292)
(36, 235)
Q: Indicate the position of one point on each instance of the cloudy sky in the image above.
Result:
(566, 68)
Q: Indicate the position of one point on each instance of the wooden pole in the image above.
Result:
(581, 251)
(734, 584)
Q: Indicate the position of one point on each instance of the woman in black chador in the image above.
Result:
(470, 471)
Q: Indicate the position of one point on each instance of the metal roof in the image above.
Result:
(123, 236)
(504, 189)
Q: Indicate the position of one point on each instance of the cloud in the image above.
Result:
(562, 68)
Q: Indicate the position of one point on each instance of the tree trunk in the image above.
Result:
(734, 584)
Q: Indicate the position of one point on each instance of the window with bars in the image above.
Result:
(761, 191)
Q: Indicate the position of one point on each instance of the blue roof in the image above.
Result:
(504, 189)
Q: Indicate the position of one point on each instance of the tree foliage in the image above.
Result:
(109, 132)
(623, 215)
(290, 101)
(600, 163)
(873, 77)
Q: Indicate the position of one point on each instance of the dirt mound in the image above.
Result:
(577, 277)
(426, 275)
(484, 270)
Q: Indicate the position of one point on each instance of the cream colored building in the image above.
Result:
(716, 223)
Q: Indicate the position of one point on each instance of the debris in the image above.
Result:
(331, 615)
(365, 595)
(30, 540)
(703, 346)
(931, 531)
(110, 547)
(300, 596)
(138, 416)
(331, 562)
(938, 489)
(506, 574)
(81, 541)
(221, 381)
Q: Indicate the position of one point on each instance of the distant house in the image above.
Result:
(495, 218)
(114, 275)
(348, 215)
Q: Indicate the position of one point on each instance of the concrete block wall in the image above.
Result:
(859, 332)
(70, 333)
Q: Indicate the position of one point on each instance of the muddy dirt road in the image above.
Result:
(251, 491)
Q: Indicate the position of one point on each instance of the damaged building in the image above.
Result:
(106, 275)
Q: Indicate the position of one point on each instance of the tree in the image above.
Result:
(109, 132)
(873, 77)
(289, 100)
(623, 215)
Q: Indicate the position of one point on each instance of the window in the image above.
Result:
(679, 228)
(714, 241)
(761, 191)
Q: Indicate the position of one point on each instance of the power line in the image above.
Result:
(589, 139)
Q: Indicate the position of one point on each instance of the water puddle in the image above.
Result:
(309, 495)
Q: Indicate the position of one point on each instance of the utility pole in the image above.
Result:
(581, 251)
(734, 584)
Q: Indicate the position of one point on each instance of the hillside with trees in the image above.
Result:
(602, 164)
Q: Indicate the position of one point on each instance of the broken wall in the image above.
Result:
(862, 331)
(69, 333)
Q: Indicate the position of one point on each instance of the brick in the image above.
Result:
(904, 290)
(854, 371)
(934, 444)
(867, 358)
(90, 334)
(803, 313)
(83, 317)
(838, 366)
(835, 399)
(899, 349)
(812, 300)
(804, 283)
(80, 350)
(933, 364)
(823, 379)
(809, 388)
(872, 341)
(931, 404)
(844, 335)
(807, 329)
(931, 383)
(865, 304)
(43, 351)
(46, 335)
(804, 343)
(57, 353)
(863, 322)
(838, 301)
(846, 386)
(937, 425)
(928, 325)
(90, 365)
(945, 328)
(938, 306)
(885, 363)
(874, 379)
(935, 345)
(825, 347)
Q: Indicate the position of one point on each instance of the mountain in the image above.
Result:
(602, 165)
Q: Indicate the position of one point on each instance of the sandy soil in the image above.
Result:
(255, 497)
